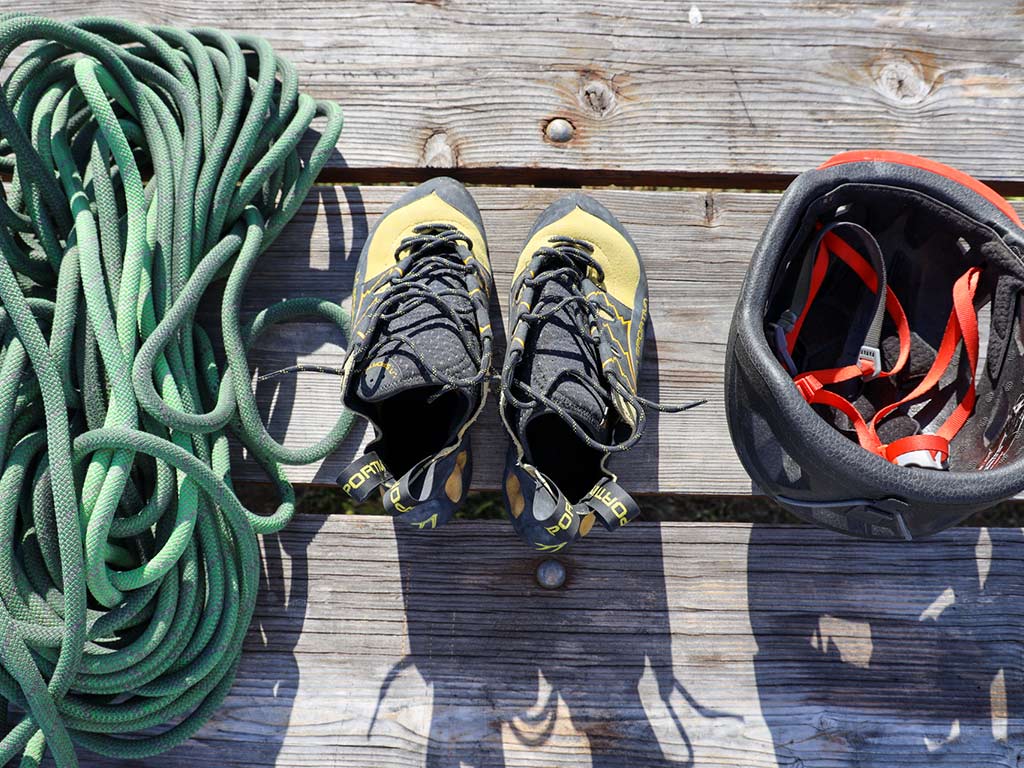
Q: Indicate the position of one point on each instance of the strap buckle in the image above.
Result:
(870, 362)
(808, 386)
(787, 321)
(924, 451)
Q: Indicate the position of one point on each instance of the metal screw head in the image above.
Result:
(559, 130)
(551, 574)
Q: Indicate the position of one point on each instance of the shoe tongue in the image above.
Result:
(554, 349)
(438, 344)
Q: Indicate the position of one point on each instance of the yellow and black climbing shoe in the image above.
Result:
(420, 354)
(569, 382)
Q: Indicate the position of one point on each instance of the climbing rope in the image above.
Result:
(144, 164)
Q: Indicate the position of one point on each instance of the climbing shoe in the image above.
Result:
(420, 353)
(875, 370)
(569, 381)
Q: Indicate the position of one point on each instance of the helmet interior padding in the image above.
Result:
(931, 230)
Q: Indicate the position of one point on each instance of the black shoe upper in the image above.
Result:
(420, 356)
(569, 382)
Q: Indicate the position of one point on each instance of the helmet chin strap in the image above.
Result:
(929, 451)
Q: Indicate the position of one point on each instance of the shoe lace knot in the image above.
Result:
(434, 265)
(571, 262)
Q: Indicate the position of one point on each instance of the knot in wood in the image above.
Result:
(903, 81)
(438, 151)
(598, 97)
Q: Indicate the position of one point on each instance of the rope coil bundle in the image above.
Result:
(144, 163)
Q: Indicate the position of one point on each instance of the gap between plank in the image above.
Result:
(574, 177)
(591, 177)
(560, 177)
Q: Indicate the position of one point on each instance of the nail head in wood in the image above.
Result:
(559, 130)
(551, 574)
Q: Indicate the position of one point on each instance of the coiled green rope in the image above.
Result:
(144, 164)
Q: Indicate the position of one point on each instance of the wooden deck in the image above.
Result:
(671, 645)
(659, 91)
(696, 246)
(674, 644)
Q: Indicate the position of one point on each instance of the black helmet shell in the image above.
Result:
(802, 460)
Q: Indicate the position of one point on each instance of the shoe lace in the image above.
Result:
(570, 261)
(433, 251)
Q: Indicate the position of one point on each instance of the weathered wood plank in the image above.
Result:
(673, 644)
(696, 246)
(729, 87)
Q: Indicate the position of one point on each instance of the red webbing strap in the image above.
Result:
(936, 447)
(967, 318)
(815, 394)
(833, 243)
(961, 326)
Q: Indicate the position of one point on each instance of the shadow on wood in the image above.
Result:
(284, 593)
(585, 671)
(670, 645)
(287, 345)
(883, 654)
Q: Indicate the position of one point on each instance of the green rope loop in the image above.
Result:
(145, 164)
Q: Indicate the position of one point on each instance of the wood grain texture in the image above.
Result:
(741, 87)
(696, 247)
(672, 645)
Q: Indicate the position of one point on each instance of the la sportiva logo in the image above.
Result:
(612, 502)
(364, 473)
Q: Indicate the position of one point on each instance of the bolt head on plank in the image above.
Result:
(559, 130)
(551, 574)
